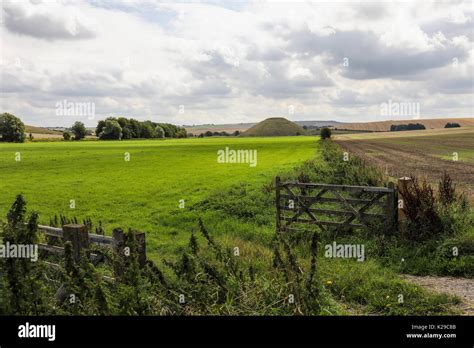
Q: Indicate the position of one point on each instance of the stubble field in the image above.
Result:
(426, 153)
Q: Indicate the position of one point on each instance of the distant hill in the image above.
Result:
(384, 126)
(274, 126)
(319, 123)
(241, 127)
(229, 128)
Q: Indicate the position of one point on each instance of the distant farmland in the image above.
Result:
(40, 130)
(423, 153)
(384, 126)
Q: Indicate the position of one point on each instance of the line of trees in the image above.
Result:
(452, 125)
(405, 127)
(217, 134)
(124, 128)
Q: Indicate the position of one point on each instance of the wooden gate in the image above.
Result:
(334, 205)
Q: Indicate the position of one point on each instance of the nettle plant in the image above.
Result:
(431, 213)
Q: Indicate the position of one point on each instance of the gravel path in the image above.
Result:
(461, 287)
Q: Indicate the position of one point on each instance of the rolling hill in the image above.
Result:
(274, 126)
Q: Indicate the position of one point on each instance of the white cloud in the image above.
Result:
(234, 62)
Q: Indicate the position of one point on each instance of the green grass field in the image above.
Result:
(235, 202)
(143, 192)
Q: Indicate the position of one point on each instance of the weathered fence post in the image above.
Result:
(403, 183)
(78, 235)
(392, 206)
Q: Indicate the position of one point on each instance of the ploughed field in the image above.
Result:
(145, 192)
(425, 153)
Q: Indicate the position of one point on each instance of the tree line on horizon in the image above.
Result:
(124, 128)
(12, 129)
(405, 127)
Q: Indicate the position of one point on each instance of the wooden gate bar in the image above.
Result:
(353, 208)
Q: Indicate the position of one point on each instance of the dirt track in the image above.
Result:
(461, 287)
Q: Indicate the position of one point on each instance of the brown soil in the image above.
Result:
(415, 161)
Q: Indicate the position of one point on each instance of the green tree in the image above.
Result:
(127, 132)
(11, 128)
(452, 125)
(147, 130)
(325, 133)
(135, 128)
(67, 136)
(79, 130)
(112, 130)
(159, 132)
(100, 127)
(123, 122)
(181, 133)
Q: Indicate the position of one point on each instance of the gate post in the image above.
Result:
(392, 206)
(403, 183)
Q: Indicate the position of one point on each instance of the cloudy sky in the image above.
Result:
(235, 61)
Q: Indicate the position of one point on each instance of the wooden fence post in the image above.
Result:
(78, 235)
(392, 206)
(403, 183)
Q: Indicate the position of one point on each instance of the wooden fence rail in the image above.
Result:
(81, 239)
(358, 206)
